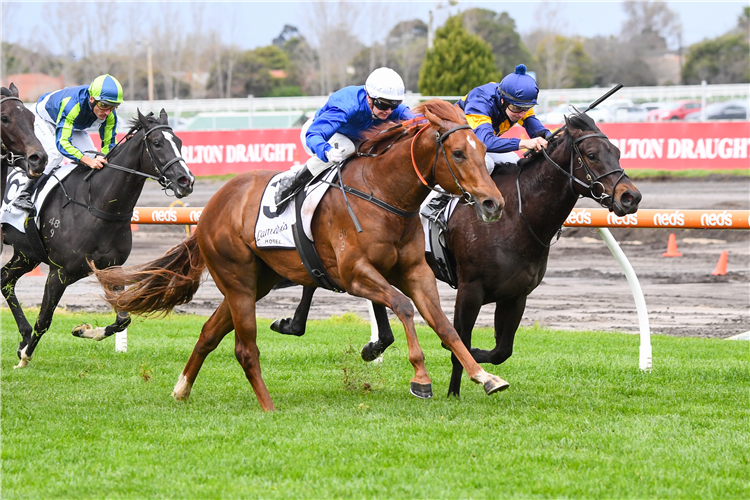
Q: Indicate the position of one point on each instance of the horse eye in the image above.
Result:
(4, 119)
(591, 156)
(157, 143)
(458, 154)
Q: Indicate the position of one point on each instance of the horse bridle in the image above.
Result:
(161, 178)
(594, 182)
(590, 176)
(466, 197)
(6, 154)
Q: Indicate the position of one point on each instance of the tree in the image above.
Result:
(563, 63)
(613, 61)
(458, 62)
(651, 26)
(499, 30)
(723, 59)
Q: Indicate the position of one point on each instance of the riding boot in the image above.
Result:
(289, 185)
(23, 201)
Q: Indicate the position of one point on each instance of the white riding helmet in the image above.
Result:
(384, 83)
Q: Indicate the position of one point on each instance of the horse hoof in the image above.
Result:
(422, 391)
(495, 384)
(284, 327)
(80, 330)
(24, 359)
(370, 352)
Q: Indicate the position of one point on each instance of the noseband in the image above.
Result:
(595, 187)
(466, 197)
(6, 154)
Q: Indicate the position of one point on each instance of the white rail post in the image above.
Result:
(640, 301)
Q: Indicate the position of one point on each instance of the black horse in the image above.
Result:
(20, 147)
(87, 220)
(505, 261)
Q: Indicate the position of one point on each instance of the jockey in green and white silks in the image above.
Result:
(493, 108)
(60, 123)
(329, 136)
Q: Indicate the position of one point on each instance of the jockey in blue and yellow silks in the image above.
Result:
(329, 136)
(60, 123)
(492, 109)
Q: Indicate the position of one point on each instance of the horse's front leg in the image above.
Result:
(368, 283)
(16, 267)
(419, 283)
(57, 282)
(86, 331)
(468, 304)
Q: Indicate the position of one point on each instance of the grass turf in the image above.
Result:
(579, 420)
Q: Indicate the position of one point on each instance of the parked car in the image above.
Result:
(727, 110)
(556, 116)
(631, 114)
(673, 111)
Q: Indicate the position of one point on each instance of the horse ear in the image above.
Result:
(142, 119)
(163, 118)
(436, 122)
(13, 89)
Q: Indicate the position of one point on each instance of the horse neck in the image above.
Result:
(393, 176)
(545, 192)
(120, 190)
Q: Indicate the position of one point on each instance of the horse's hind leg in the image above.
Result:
(373, 349)
(214, 330)
(16, 267)
(296, 326)
(86, 331)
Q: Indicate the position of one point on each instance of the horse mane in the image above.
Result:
(577, 120)
(387, 131)
(135, 123)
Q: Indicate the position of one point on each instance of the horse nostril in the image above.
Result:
(490, 206)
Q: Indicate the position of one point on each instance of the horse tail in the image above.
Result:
(157, 286)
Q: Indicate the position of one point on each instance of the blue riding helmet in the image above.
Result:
(519, 88)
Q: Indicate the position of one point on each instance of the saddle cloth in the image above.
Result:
(445, 216)
(16, 181)
(274, 230)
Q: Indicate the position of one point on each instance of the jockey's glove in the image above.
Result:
(335, 155)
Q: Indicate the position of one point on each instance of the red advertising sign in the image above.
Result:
(678, 145)
(660, 146)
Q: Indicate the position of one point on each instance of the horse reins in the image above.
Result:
(161, 179)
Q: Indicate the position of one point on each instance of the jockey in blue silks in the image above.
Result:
(60, 122)
(492, 109)
(329, 136)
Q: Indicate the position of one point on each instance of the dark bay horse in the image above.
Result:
(388, 253)
(503, 262)
(89, 220)
(20, 147)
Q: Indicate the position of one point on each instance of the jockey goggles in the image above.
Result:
(383, 104)
(518, 109)
(105, 105)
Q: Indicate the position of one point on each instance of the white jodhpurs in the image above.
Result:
(315, 165)
(490, 159)
(45, 132)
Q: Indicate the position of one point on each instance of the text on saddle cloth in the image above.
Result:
(16, 181)
(274, 230)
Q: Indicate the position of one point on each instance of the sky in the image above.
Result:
(257, 23)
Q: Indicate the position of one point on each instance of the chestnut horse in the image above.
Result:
(502, 263)
(20, 147)
(388, 253)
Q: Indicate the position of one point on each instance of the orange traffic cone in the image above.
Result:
(721, 266)
(37, 271)
(134, 227)
(672, 247)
